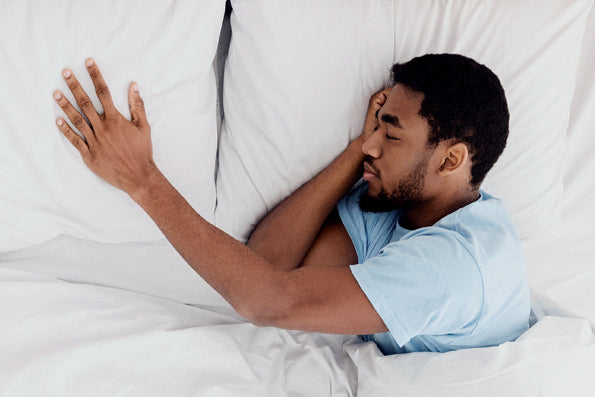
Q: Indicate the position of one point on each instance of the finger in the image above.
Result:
(386, 91)
(380, 97)
(76, 140)
(100, 87)
(137, 106)
(75, 117)
(82, 99)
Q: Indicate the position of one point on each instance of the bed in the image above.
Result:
(247, 100)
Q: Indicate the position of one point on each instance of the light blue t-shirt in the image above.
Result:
(457, 284)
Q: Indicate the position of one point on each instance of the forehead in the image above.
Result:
(403, 103)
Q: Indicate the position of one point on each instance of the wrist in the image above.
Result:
(148, 186)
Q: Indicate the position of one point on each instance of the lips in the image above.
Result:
(369, 171)
(368, 168)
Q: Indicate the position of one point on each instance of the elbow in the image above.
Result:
(259, 319)
(266, 312)
(248, 312)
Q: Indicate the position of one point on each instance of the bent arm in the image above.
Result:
(317, 298)
(312, 298)
(285, 235)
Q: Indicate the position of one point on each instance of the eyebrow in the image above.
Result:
(391, 119)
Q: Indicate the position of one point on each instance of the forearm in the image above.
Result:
(240, 275)
(284, 236)
(321, 298)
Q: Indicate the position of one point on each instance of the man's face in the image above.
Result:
(397, 155)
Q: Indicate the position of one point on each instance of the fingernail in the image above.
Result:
(57, 95)
(60, 122)
(89, 62)
(66, 73)
(135, 87)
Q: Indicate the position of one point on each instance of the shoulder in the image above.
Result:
(428, 256)
(488, 213)
(433, 248)
(485, 228)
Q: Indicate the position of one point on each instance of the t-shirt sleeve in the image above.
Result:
(368, 231)
(425, 284)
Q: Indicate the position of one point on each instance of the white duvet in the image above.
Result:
(139, 336)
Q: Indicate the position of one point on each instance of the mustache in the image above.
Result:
(369, 165)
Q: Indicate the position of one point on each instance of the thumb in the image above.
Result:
(137, 106)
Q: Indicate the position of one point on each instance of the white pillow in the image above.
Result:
(298, 79)
(299, 76)
(534, 48)
(167, 46)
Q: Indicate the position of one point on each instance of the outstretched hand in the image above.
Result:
(115, 148)
(376, 102)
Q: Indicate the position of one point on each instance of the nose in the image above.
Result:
(372, 146)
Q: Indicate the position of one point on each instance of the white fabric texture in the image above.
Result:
(153, 268)
(67, 339)
(299, 75)
(89, 318)
(93, 337)
(564, 268)
(167, 46)
(556, 357)
(298, 78)
(534, 48)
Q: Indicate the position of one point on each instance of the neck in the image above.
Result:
(433, 209)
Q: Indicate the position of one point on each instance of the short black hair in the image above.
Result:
(463, 100)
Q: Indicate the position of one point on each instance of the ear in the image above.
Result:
(456, 156)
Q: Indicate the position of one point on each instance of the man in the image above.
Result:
(436, 263)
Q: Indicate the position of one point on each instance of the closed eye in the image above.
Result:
(392, 138)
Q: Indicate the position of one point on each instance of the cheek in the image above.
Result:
(389, 180)
(399, 172)
(393, 169)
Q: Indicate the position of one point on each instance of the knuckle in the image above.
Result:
(75, 141)
(139, 103)
(78, 121)
(72, 85)
(64, 104)
(102, 91)
(93, 73)
(84, 103)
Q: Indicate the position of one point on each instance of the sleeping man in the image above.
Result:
(415, 258)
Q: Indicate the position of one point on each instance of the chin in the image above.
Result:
(381, 202)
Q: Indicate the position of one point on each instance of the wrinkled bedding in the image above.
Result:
(63, 332)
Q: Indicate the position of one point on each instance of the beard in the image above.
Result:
(408, 193)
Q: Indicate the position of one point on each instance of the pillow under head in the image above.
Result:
(299, 75)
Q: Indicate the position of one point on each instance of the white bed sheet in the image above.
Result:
(121, 326)
(85, 318)
(68, 339)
